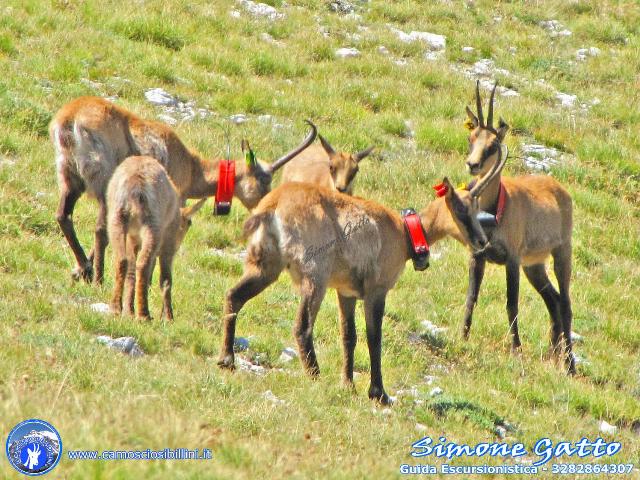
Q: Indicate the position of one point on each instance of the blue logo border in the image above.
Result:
(42, 422)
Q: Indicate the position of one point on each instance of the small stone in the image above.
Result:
(269, 396)
(607, 428)
(168, 119)
(566, 100)
(429, 379)
(238, 118)
(126, 345)
(436, 391)
(288, 354)
(100, 307)
(240, 344)
(513, 50)
(468, 49)
(341, 6)
(420, 427)
(347, 52)
(382, 50)
(386, 412)
(576, 337)
(501, 432)
(158, 96)
(247, 366)
(432, 328)
(235, 14)
(261, 10)
(433, 40)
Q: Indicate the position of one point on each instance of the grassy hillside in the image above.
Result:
(219, 56)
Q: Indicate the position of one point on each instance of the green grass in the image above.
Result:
(175, 396)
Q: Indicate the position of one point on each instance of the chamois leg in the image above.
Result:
(120, 270)
(312, 295)
(130, 280)
(562, 269)
(68, 199)
(347, 307)
(144, 264)
(100, 243)
(513, 290)
(166, 281)
(254, 281)
(476, 272)
(537, 276)
(374, 312)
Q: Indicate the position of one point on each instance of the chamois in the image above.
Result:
(535, 223)
(328, 239)
(91, 136)
(145, 221)
(324, 166)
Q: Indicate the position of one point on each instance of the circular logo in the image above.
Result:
(34, 447)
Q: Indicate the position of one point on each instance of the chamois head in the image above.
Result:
(464, 206)
(253, 180)
(185, 220)
(343, 166)
(484, 139)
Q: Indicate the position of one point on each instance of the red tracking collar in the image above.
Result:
(226, 186)
(502, 201)
(417, 239)
(502, 198)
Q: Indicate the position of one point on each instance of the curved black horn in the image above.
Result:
(477, 190)
(479, 104)
(307, 141)
(490, 114)
(364, 153)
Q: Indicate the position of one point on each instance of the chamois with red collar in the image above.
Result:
(326, 239)
(92, 136)
(324, 166)
(533, 221)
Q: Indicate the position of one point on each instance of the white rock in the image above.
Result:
(250, 367)
(386, 412)
(126, 345)
(513, 50)
(431, 328)
(261, 10)
(269, 396)
(402, 62)
(347, 52)
(433, 40)
(341, 6)
(607, 428)
(566, 100)
(288, 354)
(433, 55)
(382, 50)
(541, 157)
(468, 49)
(238, 118)
(168, 119)
(100, 307)
(91, 84)
(235, 13)
(501, 432)
(420, 427)
(436, 391)
(576, 337)
(412, 391)
(579, 360)
(429, 379)
(555, 28)
(158, 96)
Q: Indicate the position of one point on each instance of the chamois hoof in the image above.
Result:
(379, 396)
(83, 273)
(227, 362)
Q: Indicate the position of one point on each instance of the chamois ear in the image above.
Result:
(472, 122)
(363, 154)
(449, 190)
(188, 212)
(503, 128)
(326, 145)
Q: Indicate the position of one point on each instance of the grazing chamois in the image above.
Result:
(328, 239)
(91, 136)
(323, 166)
(533, 220)
(145, 221)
